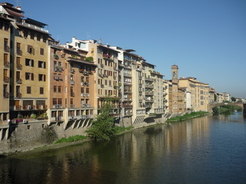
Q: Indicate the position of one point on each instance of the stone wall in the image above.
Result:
(24, 137)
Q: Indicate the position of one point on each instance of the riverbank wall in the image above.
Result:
(25, 137)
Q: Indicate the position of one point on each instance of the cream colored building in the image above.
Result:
(199, 93)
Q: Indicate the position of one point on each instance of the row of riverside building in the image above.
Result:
(43, 79)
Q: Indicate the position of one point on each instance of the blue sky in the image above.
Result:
(205, 38)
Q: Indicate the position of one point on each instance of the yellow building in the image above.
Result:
(28, 56)
(4, 68)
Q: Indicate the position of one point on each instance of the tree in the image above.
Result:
(233, 99)
(103, 126)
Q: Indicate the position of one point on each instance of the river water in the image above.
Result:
(203, 150)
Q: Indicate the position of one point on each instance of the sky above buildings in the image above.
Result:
(205, 38)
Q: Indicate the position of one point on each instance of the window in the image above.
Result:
(41, 90)
(30, 49)
(41, 64)
(29, 62)
(28, 90)
(41, 77)
(25, 34)
(44, 39)
(5, 58)
(54, 101)
(32, 35)
(29, 76)
(55, 88)
(59, 89)
(18, 49)
(38, 37)
(6, 45)
(6, 26)
(41, 51)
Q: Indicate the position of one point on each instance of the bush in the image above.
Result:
(71, 139)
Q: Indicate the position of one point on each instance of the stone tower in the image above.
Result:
(175, 75)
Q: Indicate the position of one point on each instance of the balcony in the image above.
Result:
(127, 106)
(40, 107)
(86, 105)
(149, 100)
(18, 95)
(127, 99)
(28, 107)
(72, 71)
(148, 105)
(17, 107)
(19, 52)
(127, 74)
(106, 56)
(72, 82)
(149, 86)
(57, 106)
(6, 48)
(87, 84)
(127, 91)
(149, 93)
(6, 95)
(149, 79)
(72, 94)
(72, 106)
(6, 64)
(34, 27)
(127, 83)
(6, 79)
(19, 81)
(58, 68)
(56, 56)
(19, 67)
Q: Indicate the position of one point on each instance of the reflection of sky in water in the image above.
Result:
(202, 150)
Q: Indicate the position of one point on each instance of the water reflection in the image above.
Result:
(187, 152)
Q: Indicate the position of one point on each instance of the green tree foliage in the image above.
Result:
(233, 99)
(103, 127)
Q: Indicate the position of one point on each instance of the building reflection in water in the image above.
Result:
(113, 161)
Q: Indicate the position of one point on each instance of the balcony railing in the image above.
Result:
(6, 79)
(28, 107)
(17, 107)
(19, 52)
(149, 79)
(57, 106)
(149, 93)
(71, 82)
(72, 94)
(18, 95)
(6, 48)
(127, 106)
(6, 64)
(72, 71)
(19, 67)
(19, 81)
(34, 27)
(86, 105)
(6, 95)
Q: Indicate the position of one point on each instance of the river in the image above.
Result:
(203, 150)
